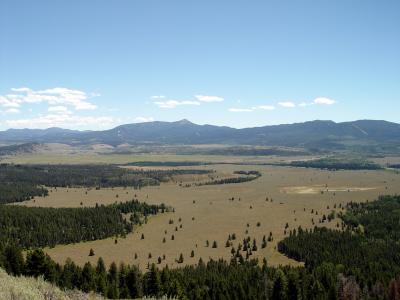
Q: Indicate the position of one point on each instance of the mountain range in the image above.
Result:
(362, 134)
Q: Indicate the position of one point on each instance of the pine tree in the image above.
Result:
(279, 290)
(88, 278)
(113, 280)
(101, 280)
(153, 282)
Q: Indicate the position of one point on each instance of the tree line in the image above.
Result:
(336, 164)
(249, 176)
(30, 227)
(212, 280)
(23, 182)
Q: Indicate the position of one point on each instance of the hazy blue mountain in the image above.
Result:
(314, 134)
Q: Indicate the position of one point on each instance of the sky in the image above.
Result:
(95, 64)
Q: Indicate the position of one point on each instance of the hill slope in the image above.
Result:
(26, 288)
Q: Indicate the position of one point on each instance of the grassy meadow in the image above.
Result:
(282, 199)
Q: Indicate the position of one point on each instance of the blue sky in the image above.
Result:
(97, 64)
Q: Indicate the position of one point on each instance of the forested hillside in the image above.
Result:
(368, 249)
(361, 262)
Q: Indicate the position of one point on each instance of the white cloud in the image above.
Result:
(61, 120)
(233, 109)
(53, 96)
(5, 102)
(59, 108)
(204, 98)
(265, 107)
(85, 106)
(158, 97)
(254, 108)
(12, 111)
(324, 101)
(287, 104)
(143, 119)
(174, 103)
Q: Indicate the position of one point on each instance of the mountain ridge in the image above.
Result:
(310, 134)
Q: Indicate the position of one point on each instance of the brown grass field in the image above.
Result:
(206, 213)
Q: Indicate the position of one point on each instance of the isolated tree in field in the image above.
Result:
(207, 243)
(192, 254)
(172, 237)
(142, 237)
(91, 252)
(254, 245)
(214, 245)
(180, 260)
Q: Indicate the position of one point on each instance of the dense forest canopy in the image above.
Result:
(367, 249)
(30, 227)
(336, 164)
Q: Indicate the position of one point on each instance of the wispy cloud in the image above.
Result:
(158, 97)
(163, 102)
(61, 120)
(233, 109)
(287, 104)
(319, 101)
(58, 108)
(175, 103)
(204, 98)
(265, 107)
(12, 111)
(254, 108)
(324, 101)
(143, 119)
(53, 96)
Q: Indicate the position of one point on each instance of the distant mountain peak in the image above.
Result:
(319, 134)
(184, 122)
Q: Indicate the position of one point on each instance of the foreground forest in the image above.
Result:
(360, 262)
